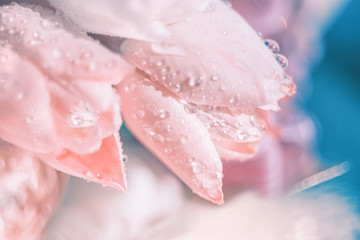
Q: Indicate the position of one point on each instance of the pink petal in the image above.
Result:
(62, 52)
(214, 58)
(236, 135)
(84, 113)
(76, 121)
(176, 137)
(103, 166)
(24, 100)
(144, 20)
(30, 191)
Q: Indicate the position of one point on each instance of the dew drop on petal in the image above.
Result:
(272, 45)
(198, 167)
(35, 42)
(214, 78)
(158, 138)
(282, 60)
(125, 158)
(183, 139)
(57, 53)
(83, 116)
(164, 115)
(140, 114)
(207, 7)
(190, 108)
(241, 135)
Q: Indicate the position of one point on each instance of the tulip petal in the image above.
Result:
(175, 136)
(84, 113)
(104, 166)
(57, 48)
(24, 102)
(30, 190)
(139, 19)
(236, 135)
(214, 58)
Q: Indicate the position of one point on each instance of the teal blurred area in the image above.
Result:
(335, 100)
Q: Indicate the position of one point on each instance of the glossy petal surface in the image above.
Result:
(104, 166)
(173, 134)
(214, 58)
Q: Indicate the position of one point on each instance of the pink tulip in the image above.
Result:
(56, 95)
(202, 95)
(30, 191)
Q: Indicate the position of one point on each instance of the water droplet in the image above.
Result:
(159, 63)
(232, 99)
(125, 158)
(90, 174)
(19, 96)
(83, 116)
(158, 138)
(57, 53)
(208, 7)
(35, 42)
(36, 34)
(167, 150)
(241, 135)
(183, 139)
(282, 60)
(47, 24)
(29, 119)
(178, 87)
(211, 184)
(92, 67)
(164, 115)
(214, 78)
(223, 88)
(190, 108)
(140, 114)
(194, 82)
(272, 45)
(227, 3)
(198, 167)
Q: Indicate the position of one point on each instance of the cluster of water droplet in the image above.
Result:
(287, 86)
(274, 47)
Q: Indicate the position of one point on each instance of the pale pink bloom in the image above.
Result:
(30, 191)
(139, 19)
(56, 95)
(202, 94)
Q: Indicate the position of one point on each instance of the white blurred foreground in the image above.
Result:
(158, 207)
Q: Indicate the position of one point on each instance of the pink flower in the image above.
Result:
(202, 95)
(57, 99)
(30, 190)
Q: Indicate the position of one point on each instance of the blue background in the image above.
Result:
(335, 101)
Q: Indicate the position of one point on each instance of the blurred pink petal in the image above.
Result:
(62, 100)
(30, 191)
(176, 137)
(139, 19)
(26, 119)
(58, 49)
